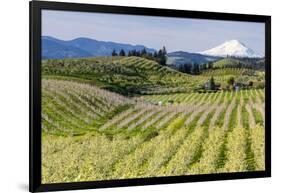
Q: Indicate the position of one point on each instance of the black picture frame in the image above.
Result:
(35, 184)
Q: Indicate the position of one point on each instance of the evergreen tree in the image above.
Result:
(160, 53)
(138, 53)
(187, 68)
(150, 55)
(231, 81)
(162, 56)
(143, 52)
(250, 83)
(114, 53)
(159, 56)
(239, 65)
(134, 52)
(122, 53)
(181, 68)
(164, 51)
(195, 69)
(155, 55)
(210, 65)
(212, 83)
(204, 66)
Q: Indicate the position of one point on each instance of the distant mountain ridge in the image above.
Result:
(83, 47)
(53, 48)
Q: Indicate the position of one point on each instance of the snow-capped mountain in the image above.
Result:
(231, 48)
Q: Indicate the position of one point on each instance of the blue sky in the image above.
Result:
(176, 34)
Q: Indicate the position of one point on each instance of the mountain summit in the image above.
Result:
(231, 48)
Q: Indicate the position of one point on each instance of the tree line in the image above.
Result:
(158, 56)
(195, 69)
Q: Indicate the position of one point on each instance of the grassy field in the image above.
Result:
(128, 117)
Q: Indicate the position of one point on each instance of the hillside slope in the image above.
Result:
(125, 75)
(227, 62)
(252, 63)
(70, 108)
